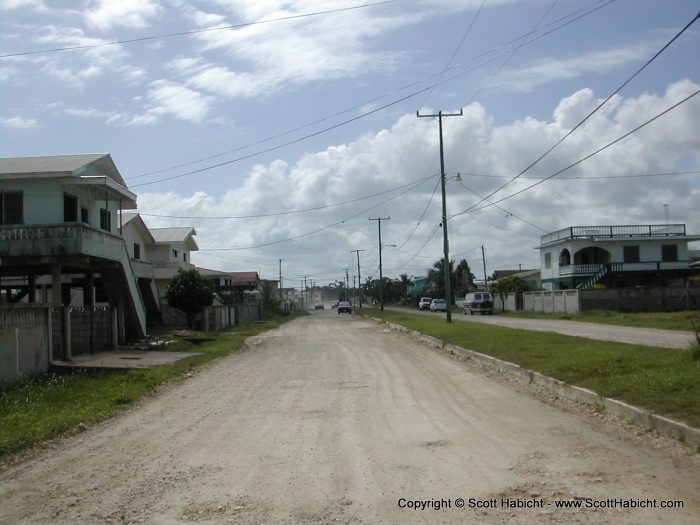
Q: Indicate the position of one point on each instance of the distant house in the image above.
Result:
(169, 253)
(616, 256)
(60, 236)
(531, 277)
(239, 285)
(420, 284)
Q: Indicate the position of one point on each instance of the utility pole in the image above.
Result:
(280, 279)
(381, 276)
(347, 283)
(483, 259)
(445, 242)
(359, 279)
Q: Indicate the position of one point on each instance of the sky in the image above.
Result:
(281, 130)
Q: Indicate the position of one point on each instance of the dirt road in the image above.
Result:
(620, 334)
(336, 420)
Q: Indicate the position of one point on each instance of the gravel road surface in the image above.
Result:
(620, 334)
(337, 420)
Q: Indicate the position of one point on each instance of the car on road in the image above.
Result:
(424, 303)
(318, 307)
(438, 305)
(345, 307)
(334, 305)
(481, 302)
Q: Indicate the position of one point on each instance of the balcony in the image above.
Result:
(59, 240)
(614, 232)
(583, 270)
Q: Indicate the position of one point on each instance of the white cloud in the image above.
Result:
(107, 14)
(168, 98)
(549, 69)
(20, 122)
(486, 156)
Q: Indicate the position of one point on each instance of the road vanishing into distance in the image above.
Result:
(335, 419)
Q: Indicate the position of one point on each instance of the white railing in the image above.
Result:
(641, 230)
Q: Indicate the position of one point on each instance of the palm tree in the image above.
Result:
(464, 278)
(437, 276)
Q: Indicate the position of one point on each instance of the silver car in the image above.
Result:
(438, 305)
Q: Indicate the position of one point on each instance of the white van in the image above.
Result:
(481, 302)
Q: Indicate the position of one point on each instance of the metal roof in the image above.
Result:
(181, 235)
(85, 170)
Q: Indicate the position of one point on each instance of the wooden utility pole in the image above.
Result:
(445, 242)
(381, 276)
(359, 279)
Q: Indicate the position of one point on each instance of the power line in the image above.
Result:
(571, 131)
(580, 160)
(291, 212)
(411, 95)
(194, 31)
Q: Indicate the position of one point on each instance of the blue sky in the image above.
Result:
(278, 128)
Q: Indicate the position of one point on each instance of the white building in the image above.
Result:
(616, 256)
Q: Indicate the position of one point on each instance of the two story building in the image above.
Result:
(616, 256)
(60, 236)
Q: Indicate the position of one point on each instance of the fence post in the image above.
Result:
(66, 334)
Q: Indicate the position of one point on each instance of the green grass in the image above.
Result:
(664, 380)
(40, 409)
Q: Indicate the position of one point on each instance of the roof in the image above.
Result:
(137, 221)
(88, 170)
(244, 277)
(63, 165)
(182, 235)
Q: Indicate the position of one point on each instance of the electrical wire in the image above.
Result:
(194, 31)
(585, 119)
(599, 150)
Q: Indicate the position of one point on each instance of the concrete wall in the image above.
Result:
(246, 313)
(218, 317)
(662, 299)
(91, 330)
(25, 341)
(557, 301)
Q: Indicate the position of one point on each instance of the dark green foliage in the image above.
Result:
(189, 292)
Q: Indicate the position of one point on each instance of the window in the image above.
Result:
(174, 253)
(547, 260)
(184, 257)
(137, 250)
(630, 254)
(669, 253)
(84, 215)
(11, 207)
(70, 208)
(105, 220)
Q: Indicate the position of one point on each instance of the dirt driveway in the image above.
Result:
(337, 420)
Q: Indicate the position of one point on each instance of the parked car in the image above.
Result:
(345, 307)
(481, 302)
(424, 303)
(335, 304)
(438, 305)
(318, 307)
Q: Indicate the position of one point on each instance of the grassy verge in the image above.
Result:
(661, 320)
(46, 407)
(664, 380)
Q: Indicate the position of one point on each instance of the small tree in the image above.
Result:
(267, 296)
(506, 285)
(189, 292)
